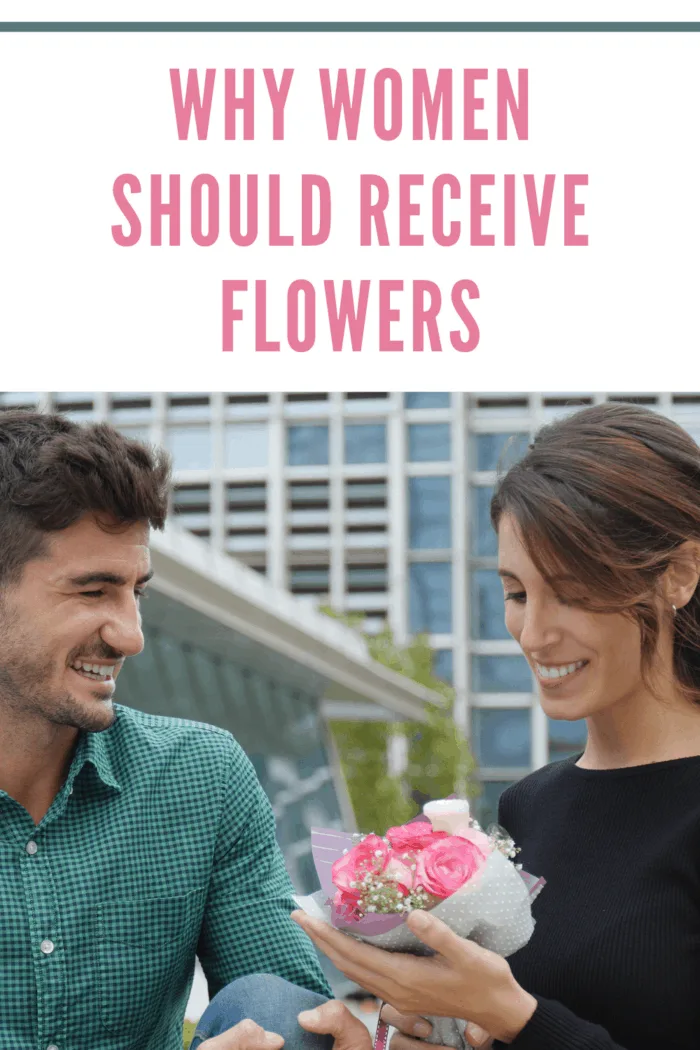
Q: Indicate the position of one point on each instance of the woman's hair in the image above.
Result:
(52, 471)
(603, 501)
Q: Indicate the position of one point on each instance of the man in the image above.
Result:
(128, 842)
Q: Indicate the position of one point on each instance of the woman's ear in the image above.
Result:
(680, 580)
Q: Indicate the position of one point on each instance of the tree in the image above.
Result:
(439, 758)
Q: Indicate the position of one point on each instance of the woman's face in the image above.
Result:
(584, 662)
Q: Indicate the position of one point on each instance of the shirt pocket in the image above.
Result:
(145, 954)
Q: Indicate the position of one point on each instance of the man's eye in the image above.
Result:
(141, 593)
(515, 596)
(92, 594)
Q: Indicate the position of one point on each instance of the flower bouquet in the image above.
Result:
(440, 861)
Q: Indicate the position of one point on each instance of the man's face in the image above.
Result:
(67, 626)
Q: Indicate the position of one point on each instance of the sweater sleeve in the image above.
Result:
(553, 1026)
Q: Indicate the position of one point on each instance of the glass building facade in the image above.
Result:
(377, 503)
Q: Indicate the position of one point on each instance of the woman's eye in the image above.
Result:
(515, 596)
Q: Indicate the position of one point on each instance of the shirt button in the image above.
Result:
(31, 848)
(52, 1046)
(47, 947)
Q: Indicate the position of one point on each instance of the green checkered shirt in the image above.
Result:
(161, 844)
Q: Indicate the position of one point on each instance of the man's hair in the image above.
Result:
(53, 471)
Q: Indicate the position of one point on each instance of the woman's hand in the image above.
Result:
(462, 980)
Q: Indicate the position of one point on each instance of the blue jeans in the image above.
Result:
(271, 1002)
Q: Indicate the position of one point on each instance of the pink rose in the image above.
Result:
(409, 837)
(479, 838)
(370, 855)
(346, 902)
(441, 869)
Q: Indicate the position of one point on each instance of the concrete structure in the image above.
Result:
(376, 503)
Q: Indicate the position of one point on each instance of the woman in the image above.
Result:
(599, 553)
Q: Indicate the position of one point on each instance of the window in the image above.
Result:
(499, 451)
(428, 442)
(307, 445)
(484, 542)
(246, 406)
(486, 805)
(246, 445)
(362, 396)
(363, 578)
(501, 674)
(566, 738)
(15, 399)
(247, 522)
(501, 737)
(487, 611)
(430, 597)
(191, 447)
(311, 579)
(429, 513)
(442, 664)
(246, 497)
(130, 406)
(142, 434)
(304, 398)
(75, 406)
(247, 399)
(427, 400)
(365, 443)
(191, 499)
(365, 494)
(309, 495)
(189, 405)
(501, 402)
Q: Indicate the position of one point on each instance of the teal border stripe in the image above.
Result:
(349, 27)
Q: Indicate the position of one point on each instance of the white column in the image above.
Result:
(461, 628)
(397, 547)
(217, 494)
(276, 495)
(336, 502)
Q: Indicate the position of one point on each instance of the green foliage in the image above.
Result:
(439, 759)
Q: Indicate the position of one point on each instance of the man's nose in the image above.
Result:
(123, 631)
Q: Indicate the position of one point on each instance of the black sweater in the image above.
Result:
(614, 961)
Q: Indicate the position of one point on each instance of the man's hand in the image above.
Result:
(246, 1035)
(411, 1029)
(334, 1018)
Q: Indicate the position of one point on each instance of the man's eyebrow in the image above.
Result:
(88, 578)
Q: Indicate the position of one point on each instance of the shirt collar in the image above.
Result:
(95, 749)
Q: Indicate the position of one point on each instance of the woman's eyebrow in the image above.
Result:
(508, 575)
